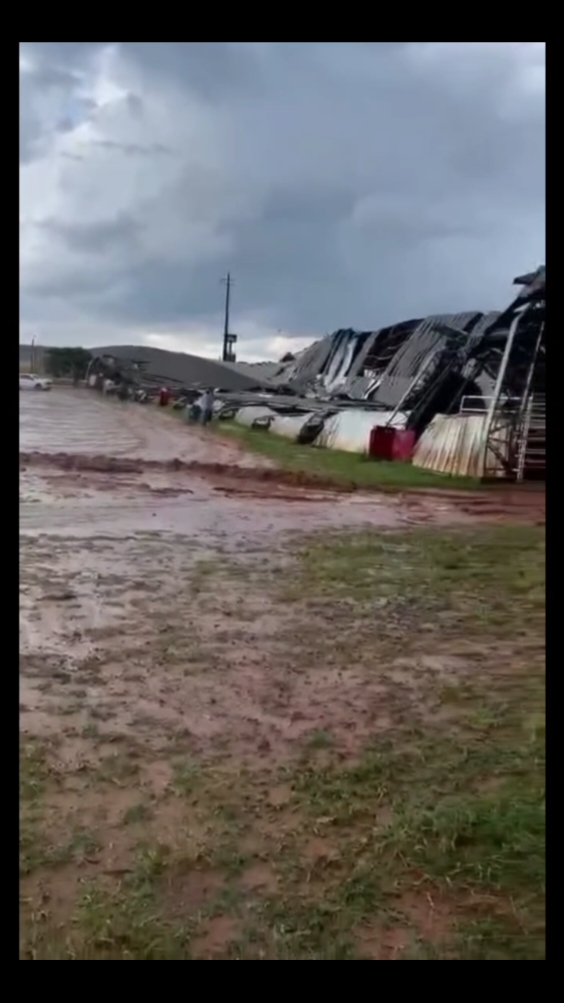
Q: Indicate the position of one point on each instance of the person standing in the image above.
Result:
(207, 406)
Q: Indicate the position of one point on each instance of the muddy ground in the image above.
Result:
(210, 649)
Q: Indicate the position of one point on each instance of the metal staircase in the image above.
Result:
(515, 444)
(531, 442)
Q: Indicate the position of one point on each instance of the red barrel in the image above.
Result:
(387, 443)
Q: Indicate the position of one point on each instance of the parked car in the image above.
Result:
(30, 382)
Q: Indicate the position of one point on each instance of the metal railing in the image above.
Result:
(480, 405)
(531, 449)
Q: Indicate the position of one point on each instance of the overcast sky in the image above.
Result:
(344, 184)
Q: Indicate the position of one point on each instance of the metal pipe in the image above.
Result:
(501, 376)
(531, 371)
(505, 358)
(414, 381)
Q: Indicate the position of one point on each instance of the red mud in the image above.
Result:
(172, 653)
(522, 504)
(526, 503)
(120, 465)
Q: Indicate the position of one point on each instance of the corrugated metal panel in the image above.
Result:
(336, 361)
(357, 387)
(179, 368)
(483, 324)
(310, 362)
(411, 357)
(289, 425)
(455, 444)
(263, 372)
(247, 415)
(368, 344)
(332, 361)
(474, 369)
(350, 430)
(347, 342)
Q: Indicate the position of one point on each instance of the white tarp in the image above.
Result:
(289, 425)
(350, 430)
(247, 415)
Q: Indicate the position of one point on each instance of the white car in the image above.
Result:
(30, 382)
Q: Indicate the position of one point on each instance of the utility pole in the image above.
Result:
(228, 339)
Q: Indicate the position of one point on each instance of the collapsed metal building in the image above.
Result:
(496, 425)
(152, 368)
(470, 386)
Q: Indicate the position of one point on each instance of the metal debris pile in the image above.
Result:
(402, 376)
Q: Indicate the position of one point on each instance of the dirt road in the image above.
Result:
(107, 521)
(162, 637)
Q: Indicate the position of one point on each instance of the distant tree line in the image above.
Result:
(67, 362)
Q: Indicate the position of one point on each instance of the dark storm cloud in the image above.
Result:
(159, 293)
(341, 183)
(61, 53)
(209, 68)
(44, 91)
(95, 238)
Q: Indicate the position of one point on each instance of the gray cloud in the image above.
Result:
(341, 183)
(131, 149)
(95, 238)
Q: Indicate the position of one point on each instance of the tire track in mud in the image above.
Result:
(74, 419)
(81, 432)
(287, 485)
(108, 464)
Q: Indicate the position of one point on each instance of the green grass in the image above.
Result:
(490, 565)
(339, 466)
(424, 842)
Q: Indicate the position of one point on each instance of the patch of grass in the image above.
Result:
(34, 769)
(187, 777)
(119, 769)
(91, 731)
(422, 841)
(495, 841)
(500, 938)
(124, 926)
(486, 574)
(137, 813)
(464, 819)
(299, 931)
(150, 864)
(38, 851)
(320, 739)
(339, 466)
(82, 844)
(33, 844)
